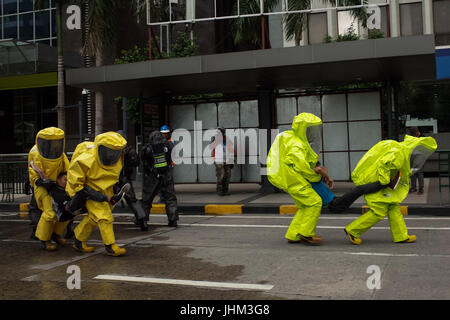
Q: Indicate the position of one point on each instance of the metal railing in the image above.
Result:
(13, 176)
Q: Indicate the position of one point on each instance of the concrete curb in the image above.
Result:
(228, 209)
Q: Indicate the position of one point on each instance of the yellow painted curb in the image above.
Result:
(223, 209)
(158, 209)
(403, 210)
(24, 207)
(288, 209)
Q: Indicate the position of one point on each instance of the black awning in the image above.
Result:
(394, 59)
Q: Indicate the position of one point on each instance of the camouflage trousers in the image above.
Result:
(223, 174)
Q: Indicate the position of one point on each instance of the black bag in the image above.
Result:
(160, 159)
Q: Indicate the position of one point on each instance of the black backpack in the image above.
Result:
(160, 158)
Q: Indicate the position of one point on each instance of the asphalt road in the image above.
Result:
(239, 257)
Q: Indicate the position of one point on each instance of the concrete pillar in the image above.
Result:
(394, 18)
(427, 11)
(332, 23)
(266, 112)
(305, 37)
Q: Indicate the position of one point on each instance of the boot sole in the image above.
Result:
(310, 242)
(115, 254)
(81, 250)
(294, 241)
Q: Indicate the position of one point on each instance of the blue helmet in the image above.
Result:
(164, 129)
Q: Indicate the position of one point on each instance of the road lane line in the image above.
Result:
(250, 225)
(227, 285)
(286, 226)
(396, 254)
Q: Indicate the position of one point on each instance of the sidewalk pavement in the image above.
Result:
(246, 198)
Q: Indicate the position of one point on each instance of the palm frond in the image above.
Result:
(248, 30)
(296, 22)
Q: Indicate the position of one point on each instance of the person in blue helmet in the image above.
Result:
(158, 177)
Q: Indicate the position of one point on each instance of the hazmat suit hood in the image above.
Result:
(110, 147)
(307, 127)
(418, 151)
(291, 159)
(48, 154)
(388, 158)
(50, 143)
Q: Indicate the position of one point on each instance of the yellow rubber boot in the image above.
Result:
(58, 229)
(114, 250)
(81, 246)
(353, 239)
(58, 239)
(48, 246)
(410, 239)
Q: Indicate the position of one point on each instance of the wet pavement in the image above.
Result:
(241, 257)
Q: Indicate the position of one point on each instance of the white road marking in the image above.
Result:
(397, 255)
(8, 214)
(227, 285)
(285, 226)
(251, 225)
(382, 254)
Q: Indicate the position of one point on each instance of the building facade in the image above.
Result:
(384, 102)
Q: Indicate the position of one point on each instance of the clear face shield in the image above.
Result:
(108, 156)
(418, 158)
(314, 136)
(50, 149)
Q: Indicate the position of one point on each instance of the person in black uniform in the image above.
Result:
(158, 177)
(131, 161)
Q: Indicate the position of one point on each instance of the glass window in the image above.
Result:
(25, 5)
(9, 6)
(54, 31)
(286, 110)
(42, 24)
(411, 20)
(159, 10)
(207, 113)
(26, 26)
(335, 136)
(229, 114)
(178, 10)
(384, 21)
(249, 114)
(441, 13)
(1, 27)
(347, 22)
(46, 5)
(44, 41)
(317, 27)
(10, 27)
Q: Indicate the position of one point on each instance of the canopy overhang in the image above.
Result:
(387, 59)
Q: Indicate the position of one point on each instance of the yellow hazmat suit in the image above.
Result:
(98, 166)
(381, 163)
(290, 168)
(48, 155)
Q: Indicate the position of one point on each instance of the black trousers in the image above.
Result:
(130, 198)
(152, 186)
(342, 203)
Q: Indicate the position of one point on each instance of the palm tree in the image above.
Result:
(40, 4)
(249, 30)
(296, 22)
(101, 35)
